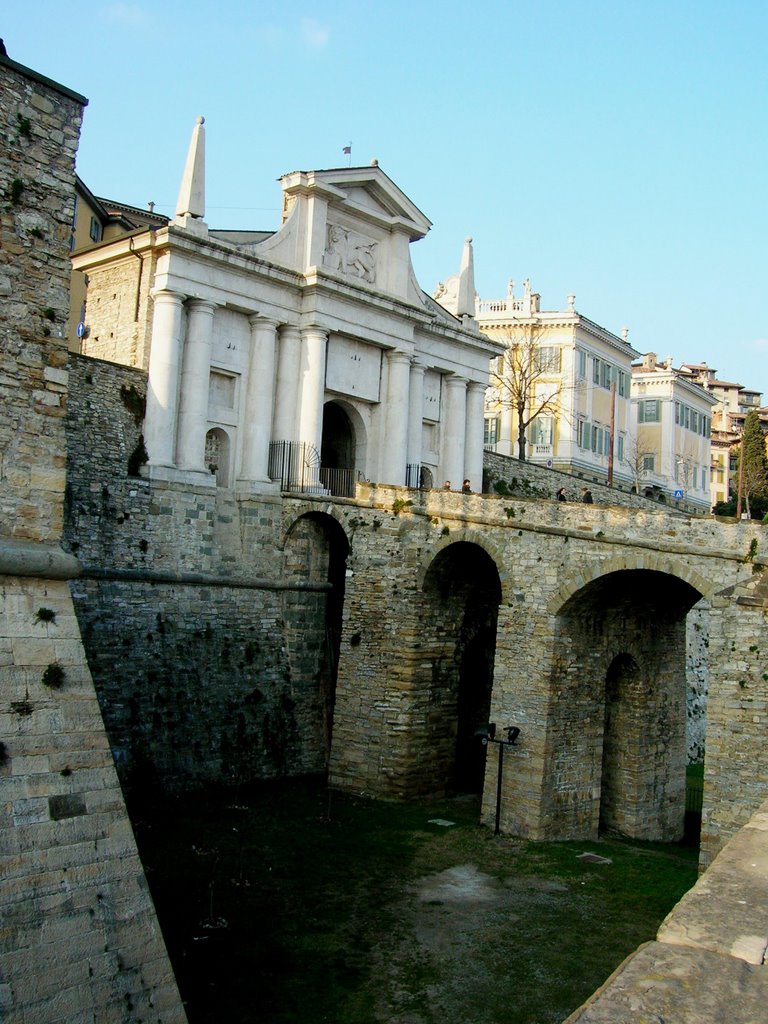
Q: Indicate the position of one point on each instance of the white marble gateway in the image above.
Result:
(312, 343)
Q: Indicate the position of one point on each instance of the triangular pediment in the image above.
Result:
(367, 191)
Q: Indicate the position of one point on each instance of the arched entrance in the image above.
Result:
(217, 455)
(617, 748)
(339, 449)
(458, 642)
(315, 552)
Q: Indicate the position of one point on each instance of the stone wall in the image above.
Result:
(532, 480)
(39, 132)
(79, 938)
(209, 659)
(119, 309)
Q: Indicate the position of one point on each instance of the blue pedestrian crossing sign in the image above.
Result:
(678, 493)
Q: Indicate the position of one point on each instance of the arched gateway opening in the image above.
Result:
(617, 732)
(315, 552)
(458, 644)
(342, 448)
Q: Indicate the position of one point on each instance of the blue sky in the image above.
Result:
(614, 150)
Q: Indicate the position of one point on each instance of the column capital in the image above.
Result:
(455, 381)
(202, 305)
(167, 295)
(398, 355)
(259, 320)
(314, 330)
(475, 386)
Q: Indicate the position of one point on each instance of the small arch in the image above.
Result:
(465, 536)
(217, 455)
(426, 480)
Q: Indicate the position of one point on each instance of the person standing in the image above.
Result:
(586, 496)
(560, 496)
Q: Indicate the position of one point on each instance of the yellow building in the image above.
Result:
(563, 386)
(672, 424)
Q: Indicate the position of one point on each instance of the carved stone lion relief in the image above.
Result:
(350, 253)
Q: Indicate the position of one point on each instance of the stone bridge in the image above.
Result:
(567, 621)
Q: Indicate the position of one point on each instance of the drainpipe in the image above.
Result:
(138, 256)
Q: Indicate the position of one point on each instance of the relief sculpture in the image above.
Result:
(350, 253)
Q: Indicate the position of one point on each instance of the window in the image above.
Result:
(649, 410)
(649, 463)
(620, 448)
(582, 434)
(548, 359)
(623, 381)
(581, 364)
(606, 375)
(491, 430)
(595, 370)
(94, 232)
(541, 430)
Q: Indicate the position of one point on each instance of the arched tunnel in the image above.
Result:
(616, 735)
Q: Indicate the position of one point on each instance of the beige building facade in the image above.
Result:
(672, 422)
(578, 398)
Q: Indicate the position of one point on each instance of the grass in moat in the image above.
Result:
(285, 902)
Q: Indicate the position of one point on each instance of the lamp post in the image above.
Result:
(486, 735)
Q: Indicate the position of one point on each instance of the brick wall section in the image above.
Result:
(119, 316)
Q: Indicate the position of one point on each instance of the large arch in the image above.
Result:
(457, 641)
(616, 734)
(315, 551)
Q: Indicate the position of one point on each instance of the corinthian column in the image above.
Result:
(473, 444)
(163, 380)
(259, 401)
(195, 377)
(312, 386)
(394, 448)
(454, 430)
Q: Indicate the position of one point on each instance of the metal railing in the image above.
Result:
(296, 466)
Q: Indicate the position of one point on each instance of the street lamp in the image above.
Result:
(487, 734)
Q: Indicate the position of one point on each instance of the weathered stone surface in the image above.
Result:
(727, 910)
(686, 986)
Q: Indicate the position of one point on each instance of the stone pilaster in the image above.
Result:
(260, 397)
(195, 376)
(162, 389)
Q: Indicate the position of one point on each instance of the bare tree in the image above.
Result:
(753, 463)
(529, 379)
(636, 453)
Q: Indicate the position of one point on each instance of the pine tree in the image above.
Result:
(754, 476)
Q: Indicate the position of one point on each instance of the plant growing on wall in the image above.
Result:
(54, 676)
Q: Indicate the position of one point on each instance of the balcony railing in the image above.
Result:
(296, 466)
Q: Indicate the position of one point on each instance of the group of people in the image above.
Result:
(586, 495)
(466, 487)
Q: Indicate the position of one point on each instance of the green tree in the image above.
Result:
(754, 472)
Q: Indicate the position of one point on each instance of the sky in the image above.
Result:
(614, 150)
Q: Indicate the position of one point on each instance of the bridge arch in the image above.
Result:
(457, 622)
(483, 541)
(616, 733)
(315, 550)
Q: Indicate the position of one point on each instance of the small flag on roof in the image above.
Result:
(347, 150)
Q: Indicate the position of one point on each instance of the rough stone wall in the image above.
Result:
(735, 765)
(79, 938)
(697, 674)
(119, 310)
(206, 641)
(39, 132)
(532, 480)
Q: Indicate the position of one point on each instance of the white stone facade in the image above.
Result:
(312, 347)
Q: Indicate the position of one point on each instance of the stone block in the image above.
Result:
(685, 986)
